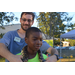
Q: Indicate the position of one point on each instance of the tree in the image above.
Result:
(57, 42)
(6, 17)
(43, 22)
(51, 23)
(1, 35)
(71, 27)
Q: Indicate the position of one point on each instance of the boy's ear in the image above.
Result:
(26, 40)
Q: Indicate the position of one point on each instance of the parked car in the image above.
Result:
(65, 48)
(72, 48)
(58, 47)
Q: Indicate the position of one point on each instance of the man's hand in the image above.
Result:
(4, 52)
(51, 59)
(16, 58)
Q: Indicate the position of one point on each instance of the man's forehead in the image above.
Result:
(29, 16)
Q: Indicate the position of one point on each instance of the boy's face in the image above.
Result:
(34, 41)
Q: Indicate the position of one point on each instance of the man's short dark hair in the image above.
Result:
(31, 13)
(31, 30)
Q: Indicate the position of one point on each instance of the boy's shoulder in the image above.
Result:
(44, 56)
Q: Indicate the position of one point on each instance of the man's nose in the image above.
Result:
(26, 22)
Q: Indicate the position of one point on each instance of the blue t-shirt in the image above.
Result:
(15, 43)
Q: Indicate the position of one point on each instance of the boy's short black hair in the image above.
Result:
(31, 13)
(31, 30)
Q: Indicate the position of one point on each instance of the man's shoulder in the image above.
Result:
(11, 32)
(44, 46)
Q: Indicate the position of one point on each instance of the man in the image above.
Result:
(13, 41)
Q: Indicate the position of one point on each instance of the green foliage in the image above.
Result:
(71, 41)
(51, 23)
(71, 27)
(6, 17)
(1, 35)
(57, 42)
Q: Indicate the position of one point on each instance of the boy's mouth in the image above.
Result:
(38, 47)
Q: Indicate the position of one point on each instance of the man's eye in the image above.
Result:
(29, 20)
(34, 39)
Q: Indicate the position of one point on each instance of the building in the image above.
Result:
(15, 27)
(9, 28)
(65, 43)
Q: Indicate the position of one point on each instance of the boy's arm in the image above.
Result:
(4, 52)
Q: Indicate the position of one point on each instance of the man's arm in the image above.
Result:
(4, 52)
(53, 57)
(52, 51)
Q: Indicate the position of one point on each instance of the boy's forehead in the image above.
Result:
(35, 34)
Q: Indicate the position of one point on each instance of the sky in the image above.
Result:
(17, 14)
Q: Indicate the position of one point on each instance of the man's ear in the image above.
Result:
(32, 23)
(20, 20)
(26, 40)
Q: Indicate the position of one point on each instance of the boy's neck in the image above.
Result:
(31, 54)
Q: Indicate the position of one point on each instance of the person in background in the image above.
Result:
(13, 41)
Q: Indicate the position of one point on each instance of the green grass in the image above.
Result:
(67, 60)
(50, 42)
(2, 59)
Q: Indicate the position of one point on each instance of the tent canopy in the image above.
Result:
(69, 35)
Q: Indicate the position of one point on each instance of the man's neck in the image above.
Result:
(21, 33)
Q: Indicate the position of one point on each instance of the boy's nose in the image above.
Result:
(38, 42)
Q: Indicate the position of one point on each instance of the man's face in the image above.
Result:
(26, 21)
(34, 41)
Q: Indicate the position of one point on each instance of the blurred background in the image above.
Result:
(52, 25)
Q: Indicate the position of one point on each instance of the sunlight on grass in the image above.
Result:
(2, 59)
(50, 42)
(66, 60)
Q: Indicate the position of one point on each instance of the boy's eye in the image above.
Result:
(40, 39)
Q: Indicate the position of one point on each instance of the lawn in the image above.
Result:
(62, 60)
(2, 59)
(50, 42)
(67, 60)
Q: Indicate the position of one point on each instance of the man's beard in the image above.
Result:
(23, 28)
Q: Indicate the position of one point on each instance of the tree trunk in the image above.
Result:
(53, 37)
(50, 31)
(46, 32)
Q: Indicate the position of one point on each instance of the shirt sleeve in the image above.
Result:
(6, 39)
(44, 46)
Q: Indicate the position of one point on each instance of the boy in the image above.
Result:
(31, 52)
